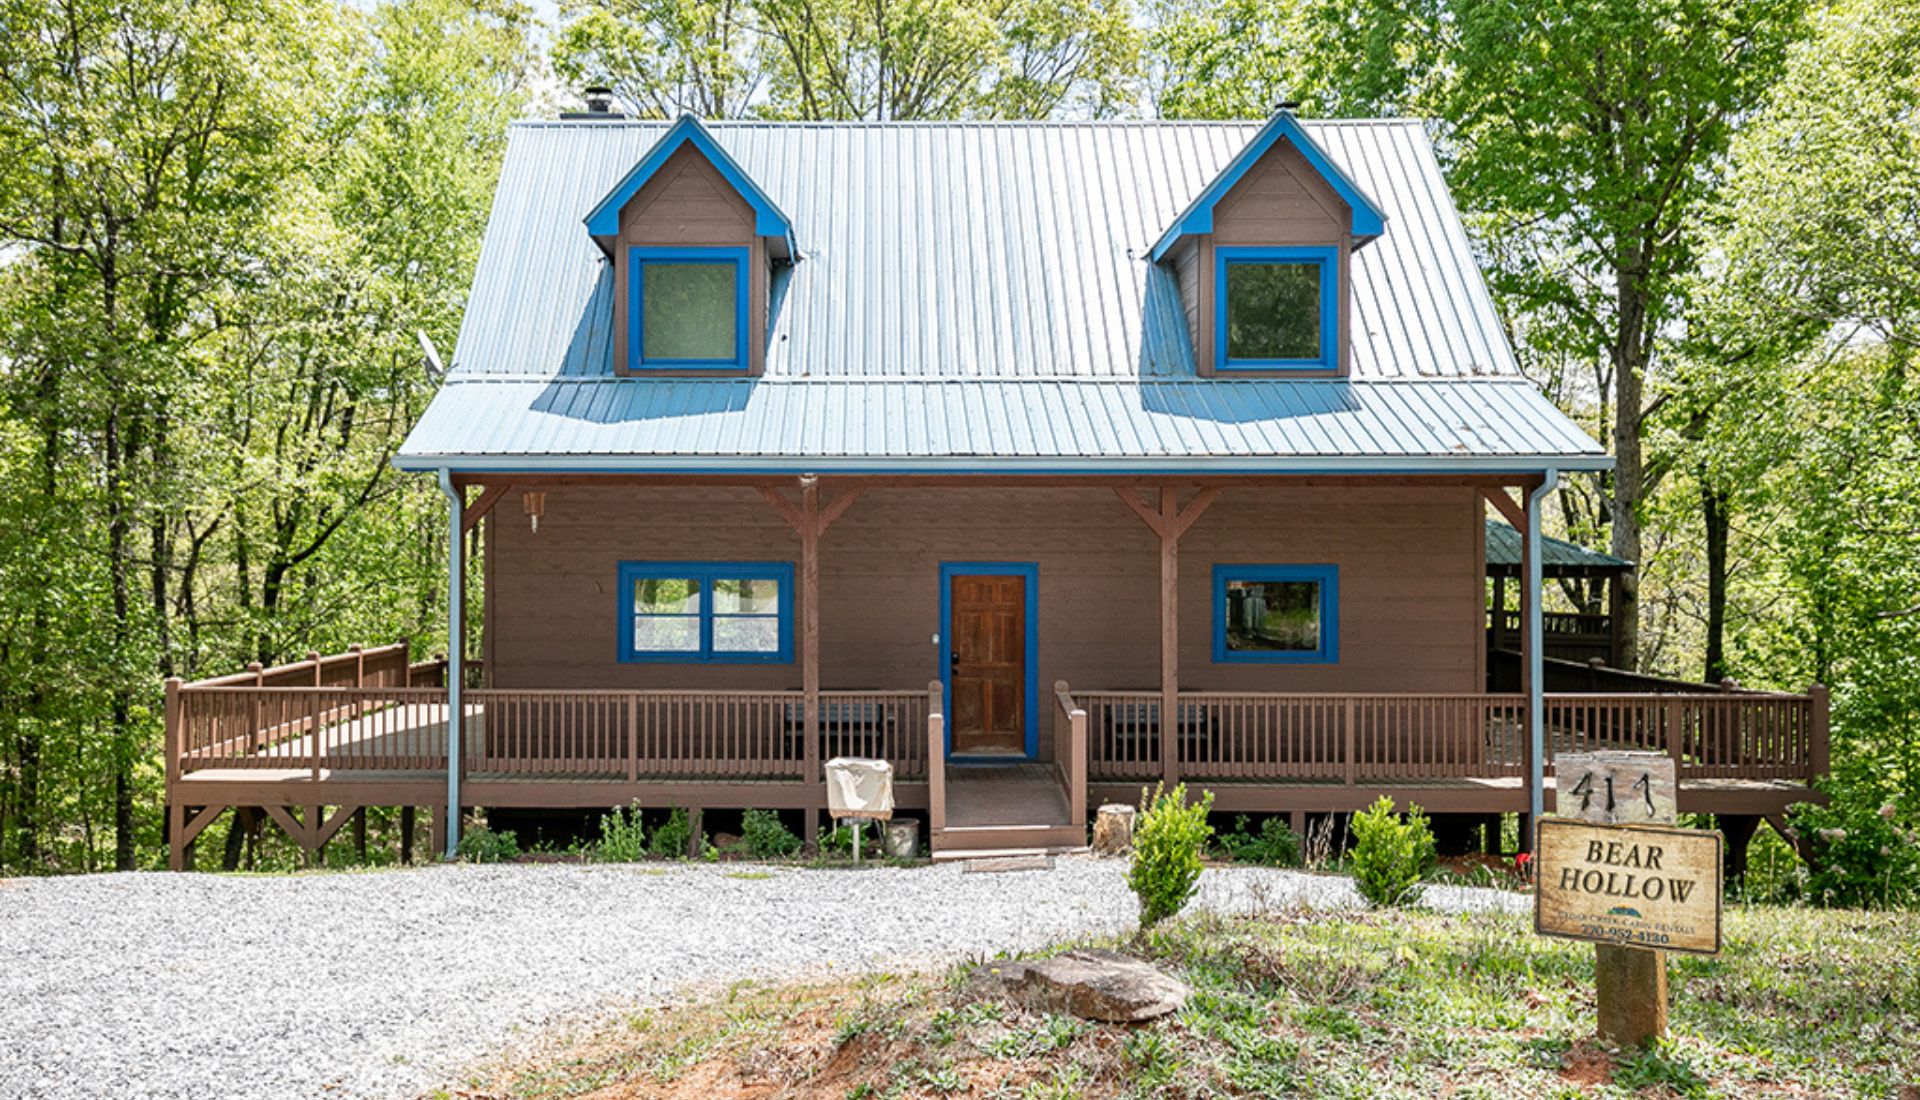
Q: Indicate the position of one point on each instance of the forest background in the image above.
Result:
(224, 225)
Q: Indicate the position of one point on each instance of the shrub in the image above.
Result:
(1390, 855)
(1166, 851)
(622, 838)
(1863, 855)
(1273, 844)
(482, 845)
(670, 841)
(766, 836)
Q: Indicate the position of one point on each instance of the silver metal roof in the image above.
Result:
(995, 425)
(977, 296)
(972, 249)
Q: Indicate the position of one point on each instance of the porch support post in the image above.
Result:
(810, 521)
(456, 576)
(1169, 642)
(1169, 522)
(1535, 666)
(810, 622)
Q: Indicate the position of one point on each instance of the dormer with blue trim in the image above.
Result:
(1263, 258)
(693, 240)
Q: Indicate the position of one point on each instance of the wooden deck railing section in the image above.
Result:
(373, 710)
(1070, 752)
(1359, 738)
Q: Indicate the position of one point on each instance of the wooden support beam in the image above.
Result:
(198, 823)
(283, 816)
(483, 504)
(325, 832)
(838, 507)
(1169, 638)
(1148, 515)
(1195, 508)
(810, 622)
(1503, 502)
(810, 521)
(1169, 521)
(785, 507)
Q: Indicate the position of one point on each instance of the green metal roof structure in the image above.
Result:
(1557, 558)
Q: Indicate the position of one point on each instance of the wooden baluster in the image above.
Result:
(1352, 742)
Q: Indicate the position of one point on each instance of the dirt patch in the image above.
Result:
(1587, 1064)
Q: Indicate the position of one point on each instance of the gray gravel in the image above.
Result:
(384, 983)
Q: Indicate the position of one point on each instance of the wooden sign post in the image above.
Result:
(1610, 868)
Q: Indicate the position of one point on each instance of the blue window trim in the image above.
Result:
(1329, 260)
(706, 572)
(637, 261)
(1328, 577)
(1030, 571)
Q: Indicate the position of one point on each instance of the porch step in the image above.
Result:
(966, 840)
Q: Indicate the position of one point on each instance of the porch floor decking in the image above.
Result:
(981, 795)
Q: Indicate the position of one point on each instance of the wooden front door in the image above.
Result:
(988, 664)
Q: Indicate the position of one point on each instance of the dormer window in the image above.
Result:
(1278, 308)
(694, 241)
(688, 308)
(1263, 257)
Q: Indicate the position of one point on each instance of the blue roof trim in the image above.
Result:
(1367, 220)
(768, 220)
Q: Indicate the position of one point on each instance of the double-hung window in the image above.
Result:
(687, 308)
(723, 612)
(1277, 308)
(1276, 614)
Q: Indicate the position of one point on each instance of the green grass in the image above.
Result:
(1409, 1003)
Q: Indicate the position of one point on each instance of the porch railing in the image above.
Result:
(372, 710)
(1349, 738)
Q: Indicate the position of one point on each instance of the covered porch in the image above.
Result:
(312, 748)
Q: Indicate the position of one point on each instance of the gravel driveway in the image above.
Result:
(381, 984)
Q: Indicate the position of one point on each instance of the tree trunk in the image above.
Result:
(1713, 513)
(1631, 350)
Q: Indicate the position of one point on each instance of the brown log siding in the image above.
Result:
(1410, 590)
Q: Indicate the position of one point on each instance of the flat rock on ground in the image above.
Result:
(1097, 985)
(384, 983)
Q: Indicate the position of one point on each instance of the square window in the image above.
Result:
(1276, 613)
(688, 308)
(1276, 308)
(707, 611)
(1273, 311)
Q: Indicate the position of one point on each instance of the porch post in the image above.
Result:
(1499, 616)
(810, 521)
(456, 576)
(1534, 665)
(1169, 641)
(1169, 521)
(810, 623)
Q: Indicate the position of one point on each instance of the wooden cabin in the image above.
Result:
(1047, 461)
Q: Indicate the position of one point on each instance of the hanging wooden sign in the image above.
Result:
(1633, 885)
